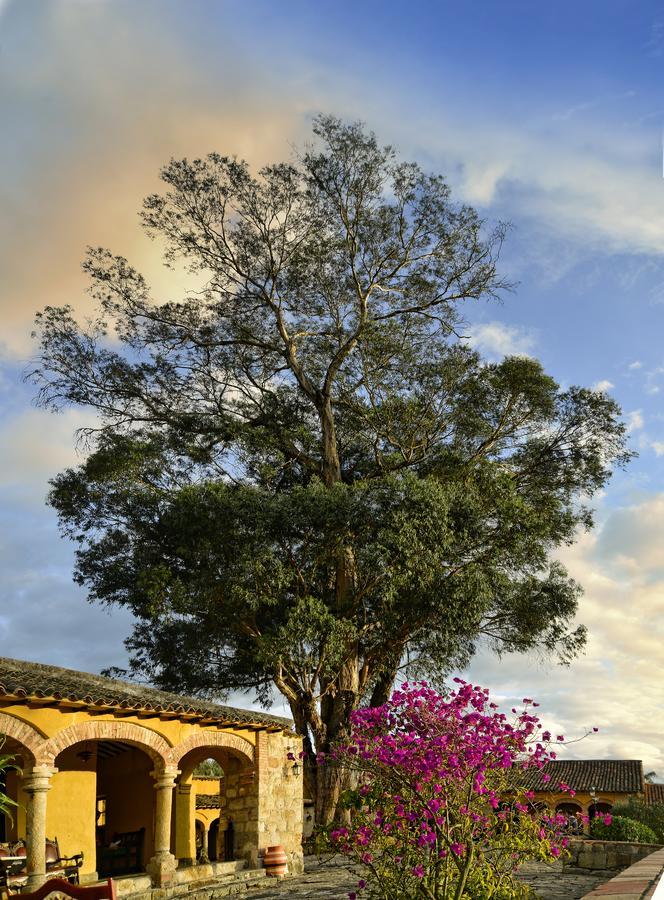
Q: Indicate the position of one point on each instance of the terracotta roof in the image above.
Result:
(622, 776)
(35, 680)
(208, 801)
(654, 793)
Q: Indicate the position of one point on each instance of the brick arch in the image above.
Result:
(156, 747)
(232, 742)
(26, 735)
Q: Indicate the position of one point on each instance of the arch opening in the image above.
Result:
(216, 786)
(111, 786)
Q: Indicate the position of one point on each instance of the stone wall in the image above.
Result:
(280, 796)
(641, 881)
(240, 806)
(607, 854)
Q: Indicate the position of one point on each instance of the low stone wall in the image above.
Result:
(638, 882)
(611, 855)
(203, 882)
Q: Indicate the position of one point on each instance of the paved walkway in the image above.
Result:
(332, 881)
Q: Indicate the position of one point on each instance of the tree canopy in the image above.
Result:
(303, 476)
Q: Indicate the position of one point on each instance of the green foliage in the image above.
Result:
(623, 829)
(209, 767)
(651, 814)
(7, 764)
(302, 475)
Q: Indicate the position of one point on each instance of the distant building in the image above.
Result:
(598, 784)
(654, 793)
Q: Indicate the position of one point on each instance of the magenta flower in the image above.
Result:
(436, 776)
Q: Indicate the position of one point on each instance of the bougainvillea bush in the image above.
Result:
(438, 810)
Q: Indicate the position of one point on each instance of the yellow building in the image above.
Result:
(597, 785)
(108, 770)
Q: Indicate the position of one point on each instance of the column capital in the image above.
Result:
(164, 779)
(37, 779)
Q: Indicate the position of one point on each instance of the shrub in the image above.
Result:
(623, 829)
(436, 810)
(6, 764)
(651, 815)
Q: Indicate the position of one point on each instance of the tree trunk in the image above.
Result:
(330, 452)
(342, 695)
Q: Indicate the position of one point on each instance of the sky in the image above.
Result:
(548, 116)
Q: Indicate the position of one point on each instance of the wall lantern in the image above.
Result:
(295, 768)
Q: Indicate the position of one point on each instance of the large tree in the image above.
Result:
(303, 477)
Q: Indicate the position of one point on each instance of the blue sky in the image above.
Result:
(549, 116)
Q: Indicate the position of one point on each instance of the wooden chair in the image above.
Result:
(13, 859)
(61, 888)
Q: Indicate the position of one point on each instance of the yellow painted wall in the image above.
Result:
(581, 798)
(70, 808)
(183, 835)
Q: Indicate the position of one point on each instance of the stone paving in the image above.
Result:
(333, 881)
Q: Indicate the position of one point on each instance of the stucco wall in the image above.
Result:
(70, 810)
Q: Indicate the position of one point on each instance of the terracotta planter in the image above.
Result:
(276, 861)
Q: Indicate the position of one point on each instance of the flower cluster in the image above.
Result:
(438, 806)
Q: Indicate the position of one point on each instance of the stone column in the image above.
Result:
(161, 868)
(36, 784)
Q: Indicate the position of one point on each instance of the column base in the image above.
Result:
(34, 881)
(161, 869)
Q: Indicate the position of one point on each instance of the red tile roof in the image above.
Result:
(654, 793)
(620, 776)
(28, 679)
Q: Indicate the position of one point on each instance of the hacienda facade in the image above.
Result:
(108, 769)
(590, 787)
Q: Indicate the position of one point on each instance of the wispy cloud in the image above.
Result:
(585, 105)
(495, 340)
(603, 386)
(616, 684)
(635, 420)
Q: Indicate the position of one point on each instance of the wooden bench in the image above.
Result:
(124, 856)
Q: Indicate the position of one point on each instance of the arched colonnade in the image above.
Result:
(171, 766)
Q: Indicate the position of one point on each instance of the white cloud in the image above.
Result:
(617, 684)
(658, 447)
(495, 340)
(591, 181)
(34, 446)
(634, 420)
(637, 364)
(602, 386)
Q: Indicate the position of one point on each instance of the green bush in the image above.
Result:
(623, 829)
(651, 815)
(6, 764)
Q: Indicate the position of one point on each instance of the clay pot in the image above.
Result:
(275, 861)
